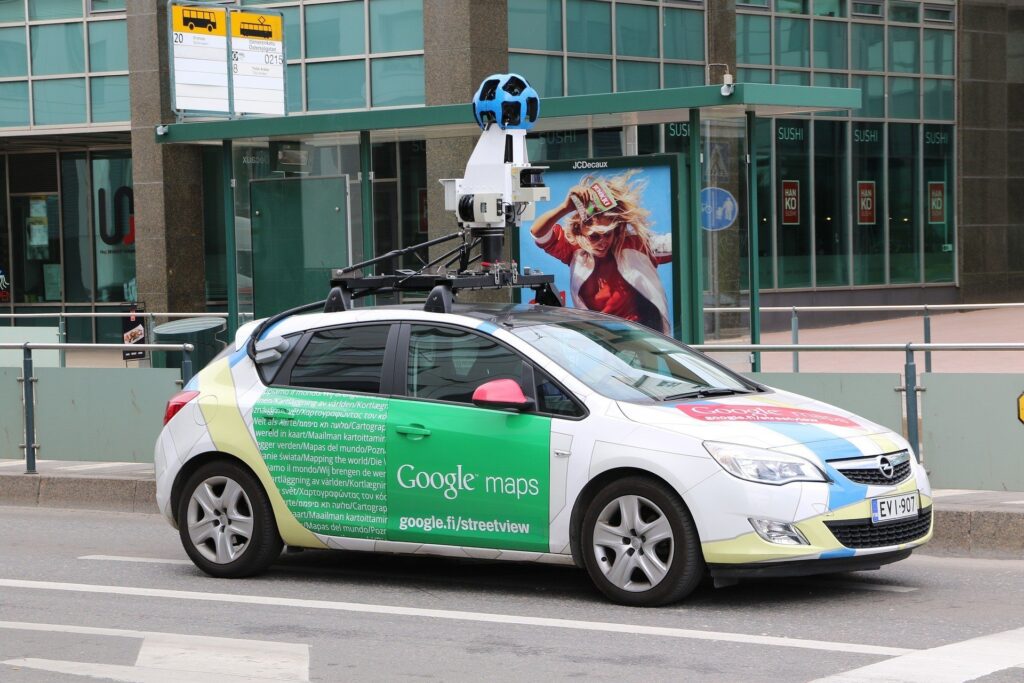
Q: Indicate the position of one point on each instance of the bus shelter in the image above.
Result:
(318, 170)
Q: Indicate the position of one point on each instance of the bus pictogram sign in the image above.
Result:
(199, 56)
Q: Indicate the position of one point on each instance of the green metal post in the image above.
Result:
(366, 196)
(752, 247)
(695, 233)
(227, 170)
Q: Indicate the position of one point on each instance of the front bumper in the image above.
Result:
(765, 570)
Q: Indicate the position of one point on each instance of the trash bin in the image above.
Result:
(200, 332)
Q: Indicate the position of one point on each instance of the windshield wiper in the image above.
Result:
(706, 392)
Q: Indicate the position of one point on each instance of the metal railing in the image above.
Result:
(909, 387)
(28, 379)
(925, 309)
(148, 317)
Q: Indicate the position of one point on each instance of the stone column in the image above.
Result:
(724, 167)
(464, 41)
(167, 179)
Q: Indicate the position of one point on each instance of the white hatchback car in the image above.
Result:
(526, 433)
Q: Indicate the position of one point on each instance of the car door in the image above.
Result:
(464, 475)
(320, 428)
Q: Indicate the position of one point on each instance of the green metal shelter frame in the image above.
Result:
(748, 101)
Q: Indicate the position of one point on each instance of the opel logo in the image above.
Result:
(886, 467)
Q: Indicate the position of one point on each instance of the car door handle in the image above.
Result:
(413, 430)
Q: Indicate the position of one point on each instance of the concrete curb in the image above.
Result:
(80, 493)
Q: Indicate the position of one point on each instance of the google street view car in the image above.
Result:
(523, 432)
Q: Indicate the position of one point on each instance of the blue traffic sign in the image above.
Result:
(718, 208)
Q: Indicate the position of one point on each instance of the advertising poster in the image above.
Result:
(936, 202)
(133, 331)
(607, 236)
(866, 202)
(791, 202)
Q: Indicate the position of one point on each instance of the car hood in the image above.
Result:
(775, 420)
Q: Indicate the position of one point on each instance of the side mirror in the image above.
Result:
(502, 393)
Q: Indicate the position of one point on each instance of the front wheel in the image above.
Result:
(640, 545)
(226, 522)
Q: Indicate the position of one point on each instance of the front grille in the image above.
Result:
(874, 477)
(861, 533)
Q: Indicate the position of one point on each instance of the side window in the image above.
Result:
(343, 359)
(552, 399)
(448, 365)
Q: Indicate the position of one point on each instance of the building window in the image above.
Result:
(939, 185)
(108, 46)
(57, 49)
(525, 17)
(54, 9)
(793, 190)
(829, 44)
(334, 30)
(867, 43)
(588, 27)
(867, 187)
(60, 101)
(636, 30)
(904, 194)
(396, 25)
(753, 39)
(323, 91)
(831, 253)
(589, 76)
(13, 61)
(397, 81)
(792, 42)
(543, 72)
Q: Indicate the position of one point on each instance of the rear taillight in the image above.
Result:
(178, 402)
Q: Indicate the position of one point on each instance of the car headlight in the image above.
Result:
(763, 466)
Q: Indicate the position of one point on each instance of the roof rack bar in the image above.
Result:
(400, 252)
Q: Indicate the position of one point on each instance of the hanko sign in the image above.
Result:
(791, 202)
(199, 56)
(257, 62)
(866, 202)
(937, 202)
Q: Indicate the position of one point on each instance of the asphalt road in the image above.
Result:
(111, 596)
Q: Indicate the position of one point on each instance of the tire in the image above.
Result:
(627, 566)
(226, 522)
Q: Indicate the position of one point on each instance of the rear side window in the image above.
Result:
(343, 359)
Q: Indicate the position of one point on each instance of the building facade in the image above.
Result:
(916, 197)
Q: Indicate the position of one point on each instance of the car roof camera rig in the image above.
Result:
(498, 192)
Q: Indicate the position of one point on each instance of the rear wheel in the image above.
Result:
(226, 522)
(640, 545)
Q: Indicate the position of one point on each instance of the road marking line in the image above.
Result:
(1015, 502)
(101, 465)
(963, 661)
(945, 493)
(172, 657)
(147, 560)
(607, 627)
(12, 463)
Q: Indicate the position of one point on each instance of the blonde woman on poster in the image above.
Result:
(603, 234)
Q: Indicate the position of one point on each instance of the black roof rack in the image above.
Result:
(347, 285)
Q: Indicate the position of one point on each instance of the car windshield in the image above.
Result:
(627, 362)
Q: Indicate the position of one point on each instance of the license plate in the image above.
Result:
(892, 508)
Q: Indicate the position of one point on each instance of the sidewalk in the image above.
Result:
(987, 325)
(967, 523)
